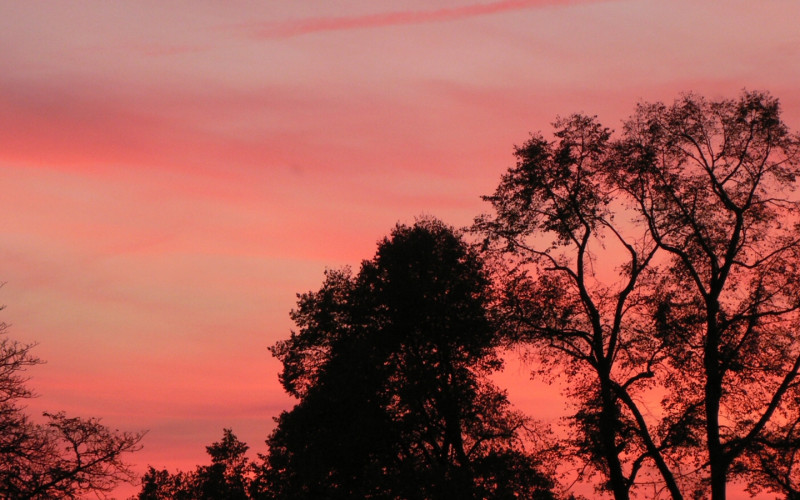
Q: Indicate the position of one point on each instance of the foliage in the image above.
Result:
(161, 485)
(691, 208)
(390, 368)
(228, 476)
(61, 458)
(713, 180)
(554, 215)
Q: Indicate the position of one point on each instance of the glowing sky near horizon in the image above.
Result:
(174, 172)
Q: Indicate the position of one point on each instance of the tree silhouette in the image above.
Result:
(229, 476)
(162, 485)
(554, 213)
(666, 258)
(62, 458)
(390, 368)
(712, 179)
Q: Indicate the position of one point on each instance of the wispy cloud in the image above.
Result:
(320, 24)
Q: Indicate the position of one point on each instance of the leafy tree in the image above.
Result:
(773, 460)
(390, 368)
(554, 214)
(61, 458)
(161, 485)
(712, 180)
(228, 474)
(666, 258)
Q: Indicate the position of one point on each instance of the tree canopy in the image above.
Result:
(663, 261)
(390, 368)
(229, 476)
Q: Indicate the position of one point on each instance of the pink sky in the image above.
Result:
(174, 173)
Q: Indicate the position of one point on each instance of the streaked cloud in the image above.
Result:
(397, 18)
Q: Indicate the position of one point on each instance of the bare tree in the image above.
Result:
(60, 458)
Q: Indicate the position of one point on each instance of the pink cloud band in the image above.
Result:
(315, 25)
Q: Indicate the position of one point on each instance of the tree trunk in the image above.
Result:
(608, 441)
(718, 462)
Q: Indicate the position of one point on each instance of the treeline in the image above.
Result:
(656, 272)
(390, 369)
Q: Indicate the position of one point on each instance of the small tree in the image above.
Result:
(229, 476)
(61, 458)
(162, 485)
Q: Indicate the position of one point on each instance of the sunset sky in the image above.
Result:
(173, 173)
